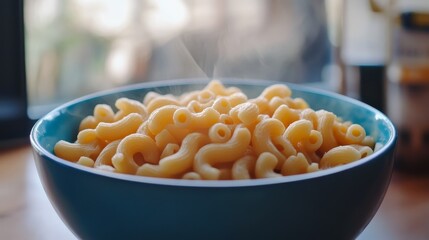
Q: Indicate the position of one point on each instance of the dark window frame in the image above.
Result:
(15, 125)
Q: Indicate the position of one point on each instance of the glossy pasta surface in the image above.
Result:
(216, 133)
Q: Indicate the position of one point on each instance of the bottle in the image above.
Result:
(407, 85)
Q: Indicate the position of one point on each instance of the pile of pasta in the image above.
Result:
(216, 133)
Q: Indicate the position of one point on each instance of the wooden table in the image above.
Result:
(26, 213)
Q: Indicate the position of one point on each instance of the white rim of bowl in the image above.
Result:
(213, 183)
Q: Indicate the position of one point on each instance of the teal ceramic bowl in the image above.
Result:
(336, 203)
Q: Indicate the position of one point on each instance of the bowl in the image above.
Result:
(335, 203)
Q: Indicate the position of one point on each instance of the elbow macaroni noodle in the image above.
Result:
(215, 133)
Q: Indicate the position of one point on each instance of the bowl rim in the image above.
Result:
(37, 147)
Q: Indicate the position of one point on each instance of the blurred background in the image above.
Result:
(376, 51)
(75, 47)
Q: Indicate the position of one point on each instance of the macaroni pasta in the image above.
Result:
(215, 133)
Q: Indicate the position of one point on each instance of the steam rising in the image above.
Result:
(285, 40)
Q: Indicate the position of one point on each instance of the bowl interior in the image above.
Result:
(62, 123)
